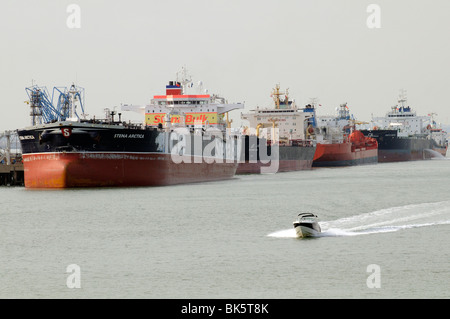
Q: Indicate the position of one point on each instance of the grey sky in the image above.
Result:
(126, 51)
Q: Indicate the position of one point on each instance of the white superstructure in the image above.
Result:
(290, 120)
(402, 119)
(334, 128)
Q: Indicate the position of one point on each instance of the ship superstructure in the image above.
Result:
(334, 128)
(404, 120)
(290, 120)
(178, 106)
(283, 125)
(438, 135)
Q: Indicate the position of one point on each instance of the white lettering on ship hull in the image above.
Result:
(95, 156)
(128, 135)
(26, 137)
(103, 156)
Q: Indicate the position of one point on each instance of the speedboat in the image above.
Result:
(307, 225)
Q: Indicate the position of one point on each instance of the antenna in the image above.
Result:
(200, 87)
(402, 97)
(313, 101)
(184, 78)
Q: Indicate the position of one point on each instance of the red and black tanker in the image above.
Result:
(76, 152)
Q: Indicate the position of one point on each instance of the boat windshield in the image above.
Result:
(305, 215)
(308, 219)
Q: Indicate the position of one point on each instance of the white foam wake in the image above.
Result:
(286, 233)
(382, 221)
(435, 155)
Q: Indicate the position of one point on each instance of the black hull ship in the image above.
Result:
(393, 148)
(183, 140)
(404, 136)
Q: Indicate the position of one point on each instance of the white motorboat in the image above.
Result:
(307, 225)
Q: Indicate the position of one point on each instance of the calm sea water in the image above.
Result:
(234, 239)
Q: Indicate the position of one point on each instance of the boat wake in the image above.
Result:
(435, 155)
(382, 221)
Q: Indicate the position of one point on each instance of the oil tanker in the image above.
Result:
(339, 143)
(276, 140)
(402, 135)
(183, 140)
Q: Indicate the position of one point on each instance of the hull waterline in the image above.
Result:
(68, 170)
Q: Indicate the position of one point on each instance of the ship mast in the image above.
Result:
(402, 98)
(228, 121)
(276, 96)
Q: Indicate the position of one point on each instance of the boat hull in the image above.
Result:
(306, 230)
(288, 158)
(392, 148)
(344, 154)
(70, 170)
(66, 155)
(279, 167)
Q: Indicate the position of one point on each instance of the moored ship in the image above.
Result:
(338, 141)
(276, 140)
(183, 140)
(438, 136)
(402, 135)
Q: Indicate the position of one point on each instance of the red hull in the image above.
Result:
(344, 154)
(283, 166)
(67, 170)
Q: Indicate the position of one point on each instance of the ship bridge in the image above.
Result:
(403, 119)
(188, 109)
(290, 120)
